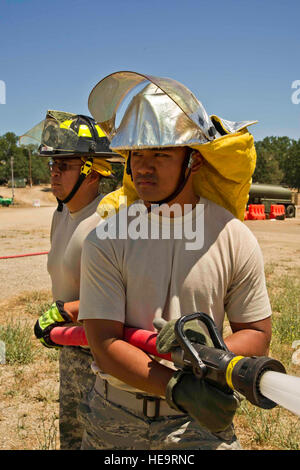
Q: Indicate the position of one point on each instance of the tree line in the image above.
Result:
(278, 162)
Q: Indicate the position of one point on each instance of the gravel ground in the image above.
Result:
(29, 402)
(26, 230)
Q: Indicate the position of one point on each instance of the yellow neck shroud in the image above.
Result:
(224, 178)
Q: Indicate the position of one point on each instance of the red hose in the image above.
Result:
(27, 254)
(75, 336)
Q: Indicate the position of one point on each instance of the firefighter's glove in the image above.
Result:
(55, 316)
(166, 340)
(186, 393)
(206, 404)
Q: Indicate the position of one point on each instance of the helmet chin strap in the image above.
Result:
(84, 172)
(187, 163)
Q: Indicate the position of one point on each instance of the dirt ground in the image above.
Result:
(25, 229)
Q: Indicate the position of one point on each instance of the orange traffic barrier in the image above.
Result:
(277, 211)
(256, 212)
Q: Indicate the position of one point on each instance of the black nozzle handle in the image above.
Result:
(208, 322)
(199, 368)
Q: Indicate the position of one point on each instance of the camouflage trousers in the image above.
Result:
(114, 427)
(76, 380)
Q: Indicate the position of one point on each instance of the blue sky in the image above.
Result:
(238, 57)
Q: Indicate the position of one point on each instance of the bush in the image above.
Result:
(18, 345)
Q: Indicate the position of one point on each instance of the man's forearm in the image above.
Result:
(72, 309)
(250, 339)
(128, 363)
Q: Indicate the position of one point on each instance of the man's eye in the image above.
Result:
(163, 155)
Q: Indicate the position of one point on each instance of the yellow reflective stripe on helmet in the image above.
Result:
(84, 131)
(66, 124)
(100, 131)
(230, 368)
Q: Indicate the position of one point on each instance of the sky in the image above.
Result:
(240, 58)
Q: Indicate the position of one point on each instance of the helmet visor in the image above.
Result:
(53, 134)
(106, 98)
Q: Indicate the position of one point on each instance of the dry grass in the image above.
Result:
(276, 429)
(29, 399)
(28, 381)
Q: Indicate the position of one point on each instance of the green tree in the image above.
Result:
(21, 161)
(274, 160)
(279, 147)
(291, 166)
(8, 149)
(267, 168)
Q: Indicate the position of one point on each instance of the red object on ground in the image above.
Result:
(256, 212)
(27, 254)
(277, 210)
(246, 215)
(75, 336)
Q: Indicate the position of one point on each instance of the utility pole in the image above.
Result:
(12, 177)
(30, 177)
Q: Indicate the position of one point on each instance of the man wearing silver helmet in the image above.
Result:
(178, 158)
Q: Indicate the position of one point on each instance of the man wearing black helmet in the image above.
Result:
(80, 157)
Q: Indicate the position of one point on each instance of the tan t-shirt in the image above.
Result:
(68, 231)
(135, 280)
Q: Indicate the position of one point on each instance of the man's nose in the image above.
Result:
(145, 166)
(55, 171)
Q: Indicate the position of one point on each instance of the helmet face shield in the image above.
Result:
(63, 135)
(58, 136)
(106, 98)
(53, 133)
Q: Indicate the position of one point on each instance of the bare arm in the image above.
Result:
(72, 309)
(250, 339)
(124, 361)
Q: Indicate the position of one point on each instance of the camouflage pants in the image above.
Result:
(76, 380)
(109, 426)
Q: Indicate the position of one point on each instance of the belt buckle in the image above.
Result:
(147, 399)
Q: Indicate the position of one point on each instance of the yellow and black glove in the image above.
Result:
(55, 316)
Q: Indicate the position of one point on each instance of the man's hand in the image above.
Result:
(210, 407)
(55, 316)
(166, 340)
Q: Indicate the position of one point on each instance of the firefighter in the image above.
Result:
(79, 158)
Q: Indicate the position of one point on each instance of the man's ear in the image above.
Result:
(198, 161)
(93, 177)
